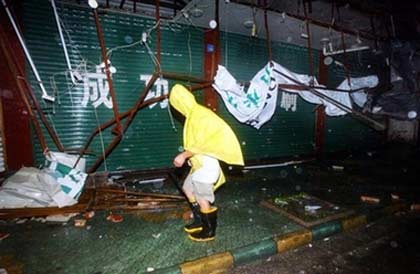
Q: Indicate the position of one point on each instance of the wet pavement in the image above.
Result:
(145, 242)
(388, 246)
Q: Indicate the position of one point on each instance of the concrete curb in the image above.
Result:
(220, 262)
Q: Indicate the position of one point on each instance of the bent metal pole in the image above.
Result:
(376, 125)
(117, 130)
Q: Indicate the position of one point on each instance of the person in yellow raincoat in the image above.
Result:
(206, 140)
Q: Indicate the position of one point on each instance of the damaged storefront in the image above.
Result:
(143, 127)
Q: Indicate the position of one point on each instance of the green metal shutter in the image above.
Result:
(150, 141)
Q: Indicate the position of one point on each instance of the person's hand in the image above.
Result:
(179, 160)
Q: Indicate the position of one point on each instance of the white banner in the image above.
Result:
(256, 106)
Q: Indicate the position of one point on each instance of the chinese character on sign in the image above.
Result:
(96, 89)
(161, 89)
(252, 99)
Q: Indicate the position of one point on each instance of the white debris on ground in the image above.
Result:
(57, 184)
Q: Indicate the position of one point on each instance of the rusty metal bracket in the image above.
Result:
(346, 67)
(267, 32)
(140, 103)
(308, 33)
(117, 130)
(130, 114)
(376, 125)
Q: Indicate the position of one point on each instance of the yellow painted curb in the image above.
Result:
(353, 222)
(293, 240)
(213, 264)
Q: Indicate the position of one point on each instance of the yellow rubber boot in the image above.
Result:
(196, 225)
(209, 224)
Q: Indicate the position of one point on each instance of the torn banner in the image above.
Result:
(254, 107)
(58, 184)
(257, 105)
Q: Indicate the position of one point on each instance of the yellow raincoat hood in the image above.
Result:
(204, 131)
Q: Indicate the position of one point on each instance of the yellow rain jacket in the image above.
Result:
(205, 133)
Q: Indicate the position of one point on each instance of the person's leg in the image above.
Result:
(204, 204)
(197, 192)
(188, 189)
(196, 224)
(205, 196)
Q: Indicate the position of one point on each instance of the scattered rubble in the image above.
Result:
(60, 218)
(369, 199)
(312, 208)
(99, 197)
(79, 222)
(156, 236)
(187, 215)
(89, 215)
(395, 197)
(115, 218)
(338, 168)
(3, 235)
(415, 207)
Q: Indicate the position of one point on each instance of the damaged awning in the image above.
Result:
(257, 105)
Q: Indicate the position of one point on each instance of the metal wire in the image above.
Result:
(102, 139)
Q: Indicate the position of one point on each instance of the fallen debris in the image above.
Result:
(395, 197)
(39, 219)
(187, 215)
(57, 184)
(102, 198)
(338, 168)
(21, 221)
(305, 209)
(4, 235)
(280, 201)
(60, 218)
(415, 207)
(115, 218)
(156, 236)
(312, 208)
(79, 222)
(89, 215)
(369, 199)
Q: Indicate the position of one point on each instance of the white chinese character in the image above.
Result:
(96, 89)
(161, 89)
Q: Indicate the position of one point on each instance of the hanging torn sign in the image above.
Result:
(255, 106)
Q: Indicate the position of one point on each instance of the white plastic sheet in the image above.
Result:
(58, 184)
(256, 106)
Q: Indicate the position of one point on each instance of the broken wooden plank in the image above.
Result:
(158, 195)
(12, 213)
